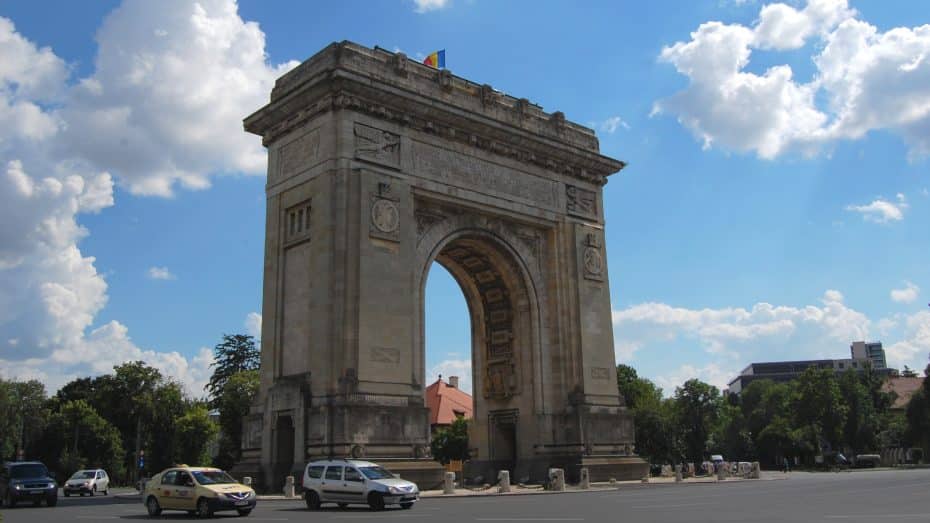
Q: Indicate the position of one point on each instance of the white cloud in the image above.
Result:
(711, 373)
(253, 325)
(161, 273)
(731, 338)
(611, 124)
(452, 367)
(173, 81)
(882, 210)
(870, 80)
(906, 295)
(162, 107)
(423, 6)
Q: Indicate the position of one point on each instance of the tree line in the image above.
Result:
(820, 413)
(112, 420)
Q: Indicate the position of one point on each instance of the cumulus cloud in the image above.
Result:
(881, 210)
(253, 325)
(711, 373)
(161, 273)
(163, 107)
(423, 6)
(868, 80)
(906, 295)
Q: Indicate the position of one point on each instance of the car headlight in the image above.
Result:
(51, 485)
(17, 487)
(395, 490)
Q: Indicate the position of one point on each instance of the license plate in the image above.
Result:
(39, 491)
(241, 503)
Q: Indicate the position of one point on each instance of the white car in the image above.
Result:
(89, 481)
(358, 482)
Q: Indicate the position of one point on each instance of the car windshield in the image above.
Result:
(212, 477)
(84, 474)
(29, 471)
(376, 472)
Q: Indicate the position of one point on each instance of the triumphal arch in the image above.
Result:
(379, 166)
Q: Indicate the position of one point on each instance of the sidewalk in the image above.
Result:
(528, 490)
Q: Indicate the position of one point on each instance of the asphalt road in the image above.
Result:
(827, 497)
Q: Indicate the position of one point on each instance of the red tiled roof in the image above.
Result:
(904, 388)
(446, 402)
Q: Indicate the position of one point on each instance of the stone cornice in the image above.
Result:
(391, 87)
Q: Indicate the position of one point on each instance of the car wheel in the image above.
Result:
(343, 506)
(406, 506)
(152, 506)
(93, 491)
(376, 501)
(313, 500)
(243, 512)
(203, 508)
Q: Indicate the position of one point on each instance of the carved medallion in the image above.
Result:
(593, 262)
(384, 216)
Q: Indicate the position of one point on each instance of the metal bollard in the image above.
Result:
(678, 476)
(721, 471)
(289, 487)
(448, 485)
(503, 481)
(756, 471)
(585, 478)
(557, 479)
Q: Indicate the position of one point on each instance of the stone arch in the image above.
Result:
(497, 268)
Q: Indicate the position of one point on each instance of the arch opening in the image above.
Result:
(500, 316)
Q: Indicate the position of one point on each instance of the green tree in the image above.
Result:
(79, 437)
(918, 416)
(194, 432)
(653, 417)
(235, 354)
(23, 417)
(233, 404)
(697, 405)
(860, 429)
(819, 409)
(451, 443)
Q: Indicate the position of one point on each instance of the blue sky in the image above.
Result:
(775, 205)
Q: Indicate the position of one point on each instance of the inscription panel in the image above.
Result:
(580, 202)
(385, 355)
(297, 155)
(479, 175)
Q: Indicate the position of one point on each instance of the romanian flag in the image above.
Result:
(437, 60)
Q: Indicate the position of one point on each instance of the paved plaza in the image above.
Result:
(867, 496)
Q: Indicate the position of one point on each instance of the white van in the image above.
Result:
(353, 481)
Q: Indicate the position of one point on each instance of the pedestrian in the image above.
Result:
(787, 466)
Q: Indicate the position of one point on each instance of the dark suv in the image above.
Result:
(27, 481)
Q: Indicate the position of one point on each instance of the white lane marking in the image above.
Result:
(876, 517)
(529, 519)
(679, 505)
(384, 515)
(95, 517)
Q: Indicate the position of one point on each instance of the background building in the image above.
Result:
(446, 402)
(862, 354)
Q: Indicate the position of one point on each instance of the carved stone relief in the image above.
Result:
(600, 373)
(580, 202)
(378, 146)
(500, 380)
(385, 355)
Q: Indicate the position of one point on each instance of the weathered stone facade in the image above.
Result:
(377, 167)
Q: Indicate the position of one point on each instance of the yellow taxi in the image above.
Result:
(198, 490)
